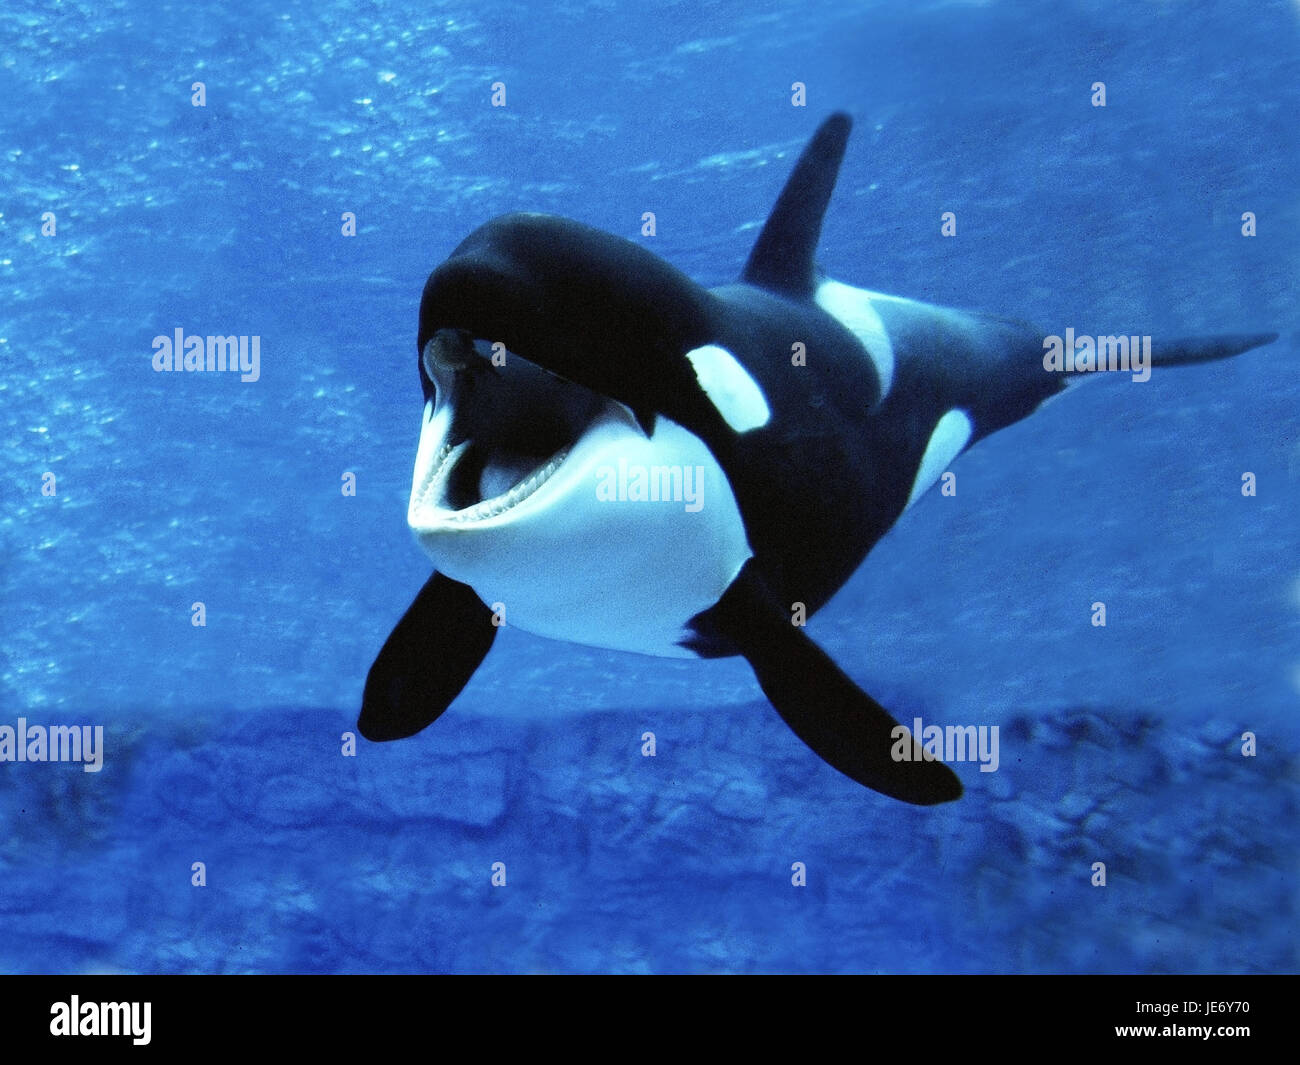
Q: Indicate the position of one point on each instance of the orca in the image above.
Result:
(613, 455)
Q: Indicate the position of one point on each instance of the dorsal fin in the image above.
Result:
(782, 259)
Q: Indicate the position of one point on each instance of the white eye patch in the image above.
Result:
(730, 388)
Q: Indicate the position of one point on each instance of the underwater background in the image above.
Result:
(224, 743)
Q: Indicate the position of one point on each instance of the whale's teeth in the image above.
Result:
(436, 478)
(490, 508)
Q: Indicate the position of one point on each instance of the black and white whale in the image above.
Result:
(616, 456)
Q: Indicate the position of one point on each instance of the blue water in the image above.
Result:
(1119, 745)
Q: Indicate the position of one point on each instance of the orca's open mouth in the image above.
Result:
(499, 427)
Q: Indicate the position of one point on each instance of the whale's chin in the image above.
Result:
(568, 555)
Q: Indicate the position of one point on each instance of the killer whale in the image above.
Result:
(814, 412)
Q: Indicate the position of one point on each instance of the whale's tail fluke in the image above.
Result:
(1206, 349)
(1142, 353)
